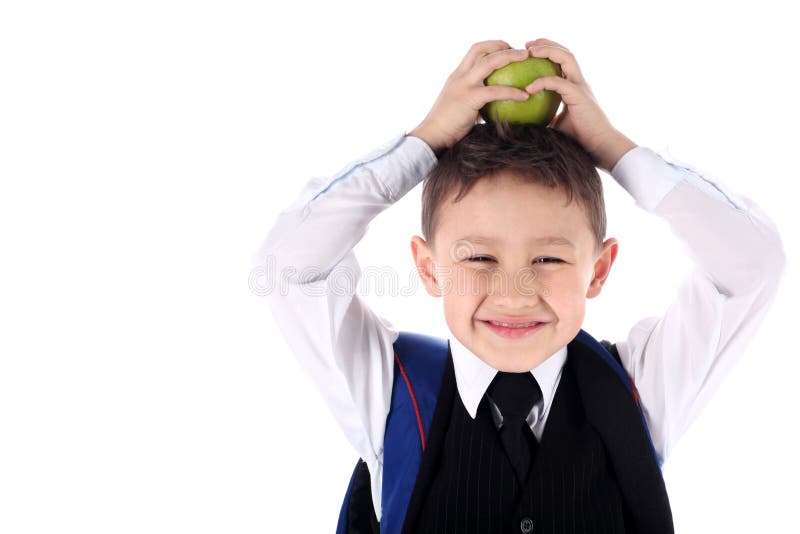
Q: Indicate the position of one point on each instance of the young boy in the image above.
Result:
(534, 428)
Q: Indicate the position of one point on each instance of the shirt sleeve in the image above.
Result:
(678, 360)
(308, 273)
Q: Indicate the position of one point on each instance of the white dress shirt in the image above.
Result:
(676, 361)
(473, 377)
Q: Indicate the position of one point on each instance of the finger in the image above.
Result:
(565, 88)
(562, 56)
(480, 49)
(491, 62)
(488, 93)
(543, 41)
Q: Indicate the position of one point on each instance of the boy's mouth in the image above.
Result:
(510, 324)
(513, 329)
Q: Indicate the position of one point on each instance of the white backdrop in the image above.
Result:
(145, 150)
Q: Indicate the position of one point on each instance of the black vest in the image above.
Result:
(585, 477)
(466, 483)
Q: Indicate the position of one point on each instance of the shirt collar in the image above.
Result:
(473, 375)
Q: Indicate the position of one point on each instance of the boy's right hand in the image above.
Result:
(457, 108)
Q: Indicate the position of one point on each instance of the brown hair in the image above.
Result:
(535, 153)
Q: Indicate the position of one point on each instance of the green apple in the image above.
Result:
(540, 108)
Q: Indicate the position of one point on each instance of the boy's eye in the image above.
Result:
(488, 258)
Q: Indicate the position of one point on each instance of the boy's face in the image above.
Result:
(490, 261)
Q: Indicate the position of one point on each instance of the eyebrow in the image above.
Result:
(555, 240)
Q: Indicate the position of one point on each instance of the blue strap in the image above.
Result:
(606, 356)
(341, 525)
(423, 360)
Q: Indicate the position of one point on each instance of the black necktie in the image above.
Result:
(515, 394)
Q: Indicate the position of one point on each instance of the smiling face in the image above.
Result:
(511, 251)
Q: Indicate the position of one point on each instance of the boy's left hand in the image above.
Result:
(582, 119)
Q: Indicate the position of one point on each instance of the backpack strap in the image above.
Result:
(419, 363)
(621, 424)
(419, 368)
(616, 363)
(612, 348)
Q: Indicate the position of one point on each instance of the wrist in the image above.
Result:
(421, 133)
(611, 151)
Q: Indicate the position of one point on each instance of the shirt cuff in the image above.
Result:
(410, 161)
(647, 176)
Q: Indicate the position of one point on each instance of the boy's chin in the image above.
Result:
(516, 366)
(515, 363)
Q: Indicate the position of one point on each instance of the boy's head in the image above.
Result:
(489, 210)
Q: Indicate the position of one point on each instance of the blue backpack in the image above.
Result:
(418, 371)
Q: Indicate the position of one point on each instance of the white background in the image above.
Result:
(145, 150)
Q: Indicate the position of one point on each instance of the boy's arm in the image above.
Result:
(678, 360)
(307, 271)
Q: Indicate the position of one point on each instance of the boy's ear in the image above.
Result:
(423, 259)
(602, 266)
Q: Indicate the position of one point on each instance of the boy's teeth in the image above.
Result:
(508, 325)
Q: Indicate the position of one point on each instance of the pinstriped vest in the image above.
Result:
(595, 469)
(467, 484)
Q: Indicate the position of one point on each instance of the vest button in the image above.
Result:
(526, 525)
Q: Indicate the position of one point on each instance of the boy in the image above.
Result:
(532, 432)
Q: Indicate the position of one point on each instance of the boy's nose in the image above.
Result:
(519, 288)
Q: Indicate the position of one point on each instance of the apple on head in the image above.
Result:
(540, 108)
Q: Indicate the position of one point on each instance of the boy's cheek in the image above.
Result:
(559, 288)
(458, 281)
(460, 310)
